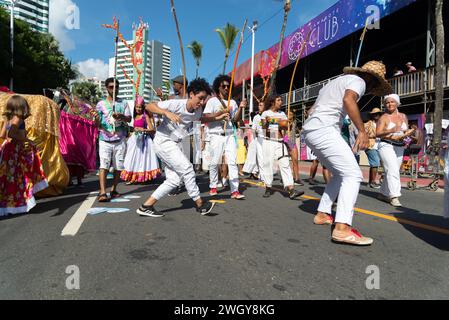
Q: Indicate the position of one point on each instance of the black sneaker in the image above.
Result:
(206, 208)
(293, 194)
(299, 182)
(374, 185)
(150, 211)
(268, 193)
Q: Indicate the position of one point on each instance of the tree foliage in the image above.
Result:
(38, 62)
(197, 53)
(87, 91)
(227, 37)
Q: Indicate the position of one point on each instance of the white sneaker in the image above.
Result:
(395, 202)
(383, 198)
(219, 185)
(225, 183)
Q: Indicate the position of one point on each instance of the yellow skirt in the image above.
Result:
(241, 152)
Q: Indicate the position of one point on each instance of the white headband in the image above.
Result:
(395, 97)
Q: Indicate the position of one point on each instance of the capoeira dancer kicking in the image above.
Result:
(275, 123)
(179, 115)
(322, 132)
(222, 139)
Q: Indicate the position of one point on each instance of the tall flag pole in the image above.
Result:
(362, 38)
(303, 46)
(181, 45)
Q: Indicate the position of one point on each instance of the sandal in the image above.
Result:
(114, 194)
(103, 198)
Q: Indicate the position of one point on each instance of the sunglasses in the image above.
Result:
(225, 86)
(112, 87)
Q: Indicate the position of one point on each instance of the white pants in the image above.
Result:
(226, 145)
(112, 154)
(276, 151)
(391, 157)
(177, 169)
(251, 158)
(205, 155)
(336, 155)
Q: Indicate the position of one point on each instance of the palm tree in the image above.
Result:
(227, 36)
(287, 7)
(197, 50)
(439, 75)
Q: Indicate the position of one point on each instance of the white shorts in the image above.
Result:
(114, 151)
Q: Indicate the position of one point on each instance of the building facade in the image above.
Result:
(156, 63)
(35, 12)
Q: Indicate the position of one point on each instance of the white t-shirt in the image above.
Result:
(174, 131)
(257, 126)
(214, 106)
(273, 126)
(328, 109)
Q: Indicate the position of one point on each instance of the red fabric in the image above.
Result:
(5, 89)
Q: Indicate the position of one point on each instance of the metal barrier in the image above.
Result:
(406, 85)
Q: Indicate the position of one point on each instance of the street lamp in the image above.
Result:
(251, 101)
(11, 83)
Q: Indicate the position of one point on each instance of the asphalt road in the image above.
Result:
(253, 249)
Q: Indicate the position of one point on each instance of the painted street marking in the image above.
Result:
(72, 227)
(375, 214)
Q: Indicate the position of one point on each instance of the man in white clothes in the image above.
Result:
(179, 116)
(275, 124)
(222, 137)
(322, 132)
(259, 135)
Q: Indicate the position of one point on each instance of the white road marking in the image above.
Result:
(72, 227)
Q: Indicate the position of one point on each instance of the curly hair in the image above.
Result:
(198, 85)
(219, 80)
(269, 102)
(17, 106)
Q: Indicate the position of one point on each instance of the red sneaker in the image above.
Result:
(352, 236)
(323, 220)
(213, 192)
(237, 195)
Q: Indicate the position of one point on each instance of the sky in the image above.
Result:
(91, 46)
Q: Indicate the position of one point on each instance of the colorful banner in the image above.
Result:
(140, 41)
(337, 22)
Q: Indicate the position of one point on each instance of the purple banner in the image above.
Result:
(337, 22)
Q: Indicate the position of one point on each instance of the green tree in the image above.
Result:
(38, 62)
(197, 51)
(87, 91)
(227, 36)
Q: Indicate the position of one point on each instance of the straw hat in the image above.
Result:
(375, 110)
(377, 70)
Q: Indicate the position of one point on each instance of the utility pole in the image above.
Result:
(11, 82)
(439, 76)
(251, 99)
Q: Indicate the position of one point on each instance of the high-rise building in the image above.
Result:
(35, 12)
(155, 61)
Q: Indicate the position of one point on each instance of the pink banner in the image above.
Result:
(78, 141)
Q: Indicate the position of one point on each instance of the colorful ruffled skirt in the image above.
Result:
(141, 163)
(21, 176)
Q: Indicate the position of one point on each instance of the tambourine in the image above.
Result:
(283, 125)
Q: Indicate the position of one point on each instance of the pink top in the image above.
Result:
(140, 123)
